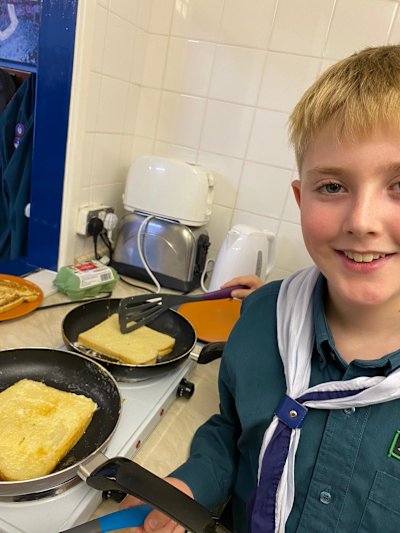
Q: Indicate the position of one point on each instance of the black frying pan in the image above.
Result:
(85, 316)
(74, 373)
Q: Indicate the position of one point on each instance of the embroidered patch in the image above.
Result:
(19, 132)
(394, 450)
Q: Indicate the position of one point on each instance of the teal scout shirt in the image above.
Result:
(345, 481)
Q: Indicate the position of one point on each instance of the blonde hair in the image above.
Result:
(356, 94)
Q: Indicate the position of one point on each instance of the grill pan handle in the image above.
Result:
(124, 475)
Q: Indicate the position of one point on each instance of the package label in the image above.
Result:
(92, 273)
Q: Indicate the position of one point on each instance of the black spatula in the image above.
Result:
(137, 311)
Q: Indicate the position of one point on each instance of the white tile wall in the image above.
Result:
(197, 19)
(373, 18)
(154, 65)
(285, 78)
(161, 16)
(100, 30)
(247, 24)
(263, 189)
(113, 103)
(126, 9)
(189, 65)
(212, 82)
(268, 140)
(119, 36)
(180, 119)
(302, 27)
(237, 74)
(226, 128)
(394, 36)
(148, 110)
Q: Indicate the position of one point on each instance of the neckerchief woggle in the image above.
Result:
(274, 496)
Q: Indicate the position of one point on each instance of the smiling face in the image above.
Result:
(349, 197)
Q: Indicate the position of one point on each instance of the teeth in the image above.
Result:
(363, 258)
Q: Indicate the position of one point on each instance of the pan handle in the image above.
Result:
(210, 351)
(124, 475)
(131, 517)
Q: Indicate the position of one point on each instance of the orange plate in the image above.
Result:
(212, 320)
(25, 307)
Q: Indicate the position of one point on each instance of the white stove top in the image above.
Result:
(144, 403)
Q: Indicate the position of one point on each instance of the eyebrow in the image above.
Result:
(340, 171)
(329, 171)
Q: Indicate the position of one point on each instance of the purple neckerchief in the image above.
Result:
(261, 509)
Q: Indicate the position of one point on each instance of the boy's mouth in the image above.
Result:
(367, 257)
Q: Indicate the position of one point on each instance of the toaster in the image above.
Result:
(175, 253)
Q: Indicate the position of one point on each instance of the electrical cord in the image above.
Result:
(136, 286)
(205, 272)
(107, 242)
(141, 254)
(71, 302)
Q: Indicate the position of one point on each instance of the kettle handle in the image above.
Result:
(271, 252)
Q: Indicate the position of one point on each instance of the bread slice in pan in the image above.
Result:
(139, 347)
(38, 426)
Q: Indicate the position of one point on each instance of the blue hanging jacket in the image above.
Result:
(16, 138)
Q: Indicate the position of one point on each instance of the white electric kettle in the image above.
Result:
(245, 250)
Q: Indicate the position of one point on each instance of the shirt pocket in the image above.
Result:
(382, 509)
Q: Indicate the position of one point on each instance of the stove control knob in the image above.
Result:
(185, 389)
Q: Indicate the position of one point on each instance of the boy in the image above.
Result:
(330, 460)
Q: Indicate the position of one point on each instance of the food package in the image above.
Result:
(86, 279)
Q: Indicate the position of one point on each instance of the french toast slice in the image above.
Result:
(139, 347)
(38, 426)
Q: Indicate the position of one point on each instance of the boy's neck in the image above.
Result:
(363, 332)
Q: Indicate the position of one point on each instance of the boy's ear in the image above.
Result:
(296, 188)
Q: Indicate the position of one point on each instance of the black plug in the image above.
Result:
(95, 227)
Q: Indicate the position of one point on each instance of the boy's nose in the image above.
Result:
(362, 217)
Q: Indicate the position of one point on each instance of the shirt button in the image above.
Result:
(325, 497)
(349, 410)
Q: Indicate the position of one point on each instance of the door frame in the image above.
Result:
(53, 90)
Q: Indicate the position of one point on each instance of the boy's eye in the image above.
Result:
(396, 187)
(331, 188)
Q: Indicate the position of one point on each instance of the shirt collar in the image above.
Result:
(325, 344)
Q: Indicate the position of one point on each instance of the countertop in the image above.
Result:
(168, 445)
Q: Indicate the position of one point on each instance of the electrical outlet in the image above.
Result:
(87, 212)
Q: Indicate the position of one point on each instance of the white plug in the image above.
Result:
(110, 222)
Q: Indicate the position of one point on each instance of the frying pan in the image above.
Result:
(85, 316)
(71, 373)
(75, 373)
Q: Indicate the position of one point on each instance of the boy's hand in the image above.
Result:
(156, 521)
(252, 281)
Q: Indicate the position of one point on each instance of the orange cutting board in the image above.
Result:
(212, 320)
